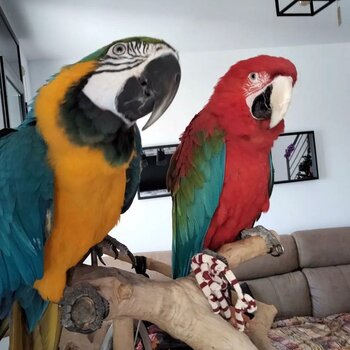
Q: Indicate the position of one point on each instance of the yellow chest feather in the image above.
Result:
(89, 192)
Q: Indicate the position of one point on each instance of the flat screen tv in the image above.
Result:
(155, 163)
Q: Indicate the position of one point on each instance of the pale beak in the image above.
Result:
(273, 101)
(281, 96)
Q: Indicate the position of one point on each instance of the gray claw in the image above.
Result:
(277, 250)
(132, 259)
(120, 248)
(273, 244)
(117, 248)
(97, 253)
(101, 259)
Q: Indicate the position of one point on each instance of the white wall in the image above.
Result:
(320, 103)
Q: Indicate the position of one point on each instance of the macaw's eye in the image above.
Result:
(119, 49)
(253, 76)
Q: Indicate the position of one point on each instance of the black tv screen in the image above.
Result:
(155, 164)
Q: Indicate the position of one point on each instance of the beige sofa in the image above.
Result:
(310, 287)
(312, 277)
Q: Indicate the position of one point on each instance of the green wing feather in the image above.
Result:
(196, 176)
(26, 197)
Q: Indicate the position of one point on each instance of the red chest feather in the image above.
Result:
(244, 195)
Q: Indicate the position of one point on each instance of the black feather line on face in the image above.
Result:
(88, 125)
(126, 63)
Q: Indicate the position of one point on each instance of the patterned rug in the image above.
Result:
(311, 333)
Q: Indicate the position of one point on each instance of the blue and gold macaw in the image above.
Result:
(73, 166)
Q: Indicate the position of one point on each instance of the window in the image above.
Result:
(13, 108)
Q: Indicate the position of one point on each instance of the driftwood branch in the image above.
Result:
(238, 252)
(124, 327)
(176, 306)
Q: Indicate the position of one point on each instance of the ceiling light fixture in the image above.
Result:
(301, 7)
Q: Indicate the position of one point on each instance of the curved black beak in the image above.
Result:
(153, 91)
(163, 75)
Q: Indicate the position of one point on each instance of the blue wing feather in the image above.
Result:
(192, 214)
(26, 194)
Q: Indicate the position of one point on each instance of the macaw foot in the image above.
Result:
(273, 244)
(215, 278)
(83, 309)
(51, 286)
(118, 248)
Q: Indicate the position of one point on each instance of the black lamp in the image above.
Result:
(301, 7)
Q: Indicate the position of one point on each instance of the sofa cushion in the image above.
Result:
(329, 289)
(288, 292)
(268, 265)
(323, 247)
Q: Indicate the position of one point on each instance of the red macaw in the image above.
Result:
(221, 175)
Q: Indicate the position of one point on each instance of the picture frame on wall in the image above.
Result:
(155, 164)
(294, 157)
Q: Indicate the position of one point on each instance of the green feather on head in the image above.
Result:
(96, 55)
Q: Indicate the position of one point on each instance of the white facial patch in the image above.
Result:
(106, 84)
(102, 88)
(259, 84)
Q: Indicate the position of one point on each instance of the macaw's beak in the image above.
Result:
(273, 102)
(152, 91)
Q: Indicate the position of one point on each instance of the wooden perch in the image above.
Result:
(235, 253)
(177, 306)
(238, 252)
(151, 264)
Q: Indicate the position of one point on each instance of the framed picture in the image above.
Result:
(155, 163)
(294, 157)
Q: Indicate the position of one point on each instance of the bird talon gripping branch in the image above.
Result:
(118, 248)
(273, 244)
